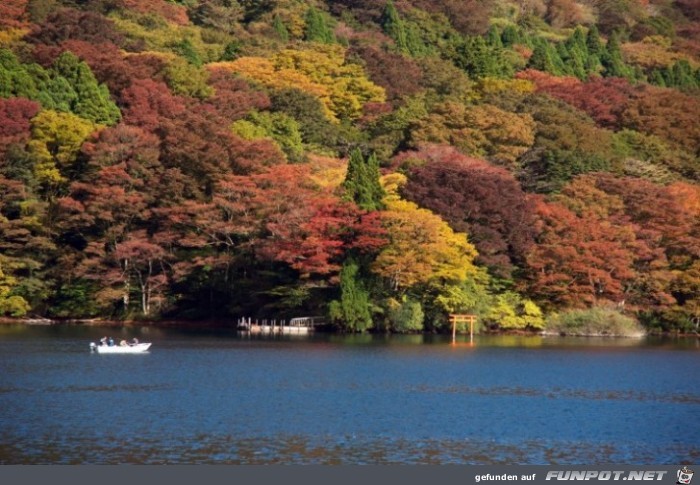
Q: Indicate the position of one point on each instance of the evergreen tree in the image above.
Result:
(58, 94)
(93, 101)
(393, 27)
(593, 44)
(493, 37)
(681, 75)
(376, 192)
(613, 63)
(510, 36)
(14, 78)
(546, 58)
(352, 311)
(480, 60)
(362, 181)
(232, 51)
(578, 41)
(280, 28)
(187, 50)
(414, 42)
(657, 78)
(593, 65)
(316, 29)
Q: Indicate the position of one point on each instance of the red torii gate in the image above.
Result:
(456, 318)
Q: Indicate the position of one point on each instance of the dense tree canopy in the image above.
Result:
(380, 162)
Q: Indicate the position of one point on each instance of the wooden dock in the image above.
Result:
(295, 326)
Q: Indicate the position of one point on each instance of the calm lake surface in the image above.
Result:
(222, 398)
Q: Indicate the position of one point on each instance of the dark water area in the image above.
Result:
(218, 397)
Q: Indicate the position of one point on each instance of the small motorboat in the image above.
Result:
(120, 349)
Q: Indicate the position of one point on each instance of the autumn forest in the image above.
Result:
(380, 162)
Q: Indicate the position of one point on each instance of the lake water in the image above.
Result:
(222, 398)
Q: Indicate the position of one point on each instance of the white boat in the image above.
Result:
(120, 349)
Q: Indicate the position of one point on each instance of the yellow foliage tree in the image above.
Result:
(12, 305)
(56, 141)
(422, 248)
(11, 36)
(321, 70)
(482, 131)
(159, 35)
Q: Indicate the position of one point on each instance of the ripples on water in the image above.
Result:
(213, 397)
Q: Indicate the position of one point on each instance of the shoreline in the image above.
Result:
(231, 325)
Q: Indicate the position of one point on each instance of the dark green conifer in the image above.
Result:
(93, 101)
(545, 58)
(362, 181)
(493, 37)
(280, 28)
(185, 49)
(316, 29)
(352, 311)
(510, 36)
(393, 27)
(595, 47)
(612, 60)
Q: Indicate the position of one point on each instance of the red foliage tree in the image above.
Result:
(147, 103)
(627, 203)
(173, 13)
(397, 74)
(66, 23)
(577, 261)
(278, 215)
(105, 60)
(475, 197)
(15, 116)
(13, 14)
(603, 99)
(666, 113)
(233, 98)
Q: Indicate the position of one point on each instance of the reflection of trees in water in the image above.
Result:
(342, 450)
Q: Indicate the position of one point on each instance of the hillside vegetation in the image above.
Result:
(380, 162)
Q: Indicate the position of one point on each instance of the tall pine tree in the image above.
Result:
(362, 181)
(316, 29)
(93, 101)
(352, 311)
(394, 27)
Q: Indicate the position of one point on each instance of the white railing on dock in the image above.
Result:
(299, 325)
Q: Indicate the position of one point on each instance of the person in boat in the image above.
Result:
(122, 343)
(103, 340)
(135, 341)
(110, 342)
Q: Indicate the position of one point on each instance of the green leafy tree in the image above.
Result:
(406, 315)
(352, 311)
(280, 127)
(509, 311)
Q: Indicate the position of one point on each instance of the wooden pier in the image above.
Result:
(296, 326)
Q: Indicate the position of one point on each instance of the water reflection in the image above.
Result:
(337, 450)
(216, 396)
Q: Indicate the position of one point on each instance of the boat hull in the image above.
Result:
(122, 349)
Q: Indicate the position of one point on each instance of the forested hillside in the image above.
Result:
(380, 162)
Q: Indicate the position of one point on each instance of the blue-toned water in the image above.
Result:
(218, 397)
